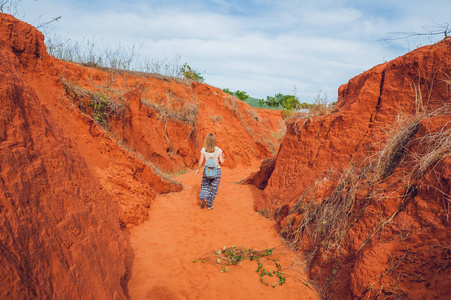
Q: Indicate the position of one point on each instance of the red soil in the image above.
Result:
(179, 232)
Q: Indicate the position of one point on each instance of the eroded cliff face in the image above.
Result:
(364, 191)
(60, 236)
(84, 151)
(368, 105)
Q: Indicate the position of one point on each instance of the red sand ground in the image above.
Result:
(179, 231)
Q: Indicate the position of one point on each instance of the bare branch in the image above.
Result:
(429, 31)
(48, 22)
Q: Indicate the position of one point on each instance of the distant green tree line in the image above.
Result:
(243, 96)
(278, 101)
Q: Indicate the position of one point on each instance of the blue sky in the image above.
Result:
(261, 47)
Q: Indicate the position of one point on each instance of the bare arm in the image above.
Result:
(201, 161)
(221, 158)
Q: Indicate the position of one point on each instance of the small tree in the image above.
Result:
(189, 73)
(226, 90)
(243, 96)
(288, 102)
(274, 101)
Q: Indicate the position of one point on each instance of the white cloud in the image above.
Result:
(261, 47)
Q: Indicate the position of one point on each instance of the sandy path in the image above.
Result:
(162, 250)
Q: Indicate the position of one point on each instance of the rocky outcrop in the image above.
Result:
(348, 190)
(260, 178)
(60, 236)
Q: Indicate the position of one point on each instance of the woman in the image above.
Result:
(209, 187)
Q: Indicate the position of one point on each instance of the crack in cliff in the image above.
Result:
(325, 137)
(372, 117)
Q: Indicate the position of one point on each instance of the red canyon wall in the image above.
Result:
(393, 238)
(60, 235)
(367, 105)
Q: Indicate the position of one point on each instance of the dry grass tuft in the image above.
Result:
(141, 158)
(100, 105)
(186, 113)
(321, 106)
(254, 115)
(326, 222)
(216, 118)
(387, 159)
(432, 147)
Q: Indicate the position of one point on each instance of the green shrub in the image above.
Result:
(101, 104)
(189, 73)
(243, 96)
(287, 102)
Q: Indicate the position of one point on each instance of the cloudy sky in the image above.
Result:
(261, 47)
